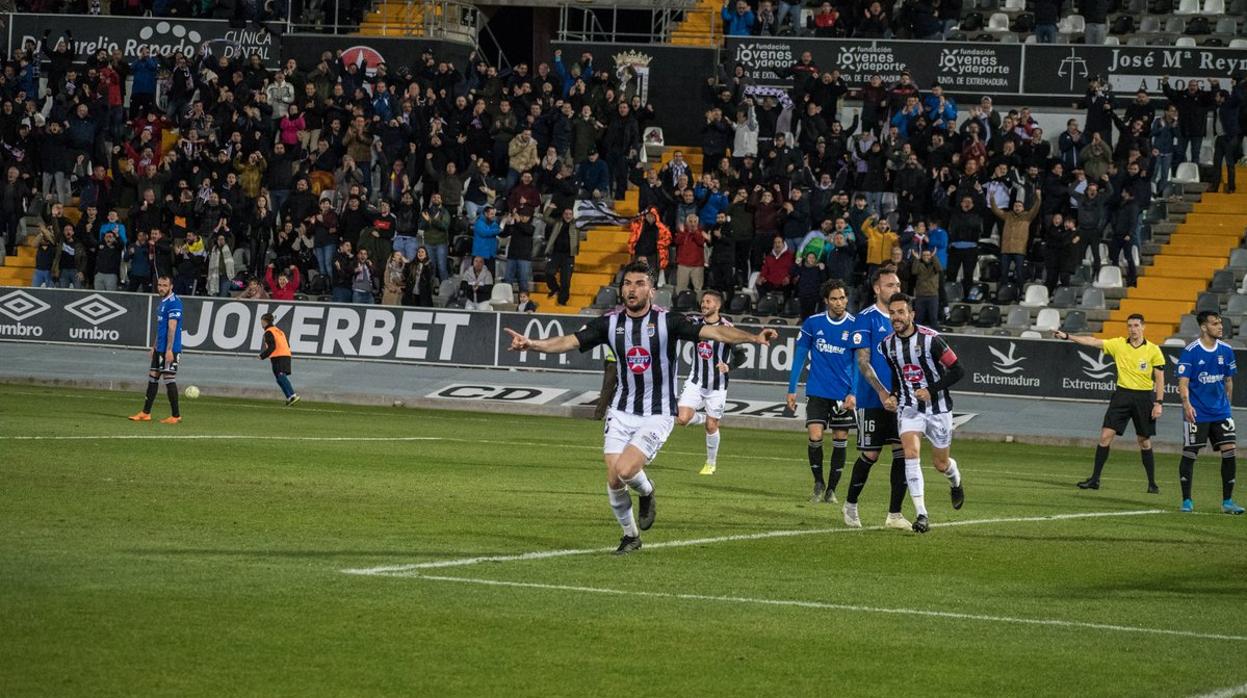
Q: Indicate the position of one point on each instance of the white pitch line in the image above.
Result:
(546, 554)
(1225, 692)
(219, 437)
(952, 615)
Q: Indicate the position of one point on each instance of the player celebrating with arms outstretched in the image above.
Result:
(164, 355)
(1206, 381)
(827, 338)
(643, 411)
(923, 369)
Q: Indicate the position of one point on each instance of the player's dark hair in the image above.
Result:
(1135, 316)
(830, 285)
(166, 277)
(902, 298)
(713, 292)
(874, 275)
(267, 317)
(637, 268)
(1206, 315)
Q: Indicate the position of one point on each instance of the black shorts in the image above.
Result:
(158, 363)
(828, 412)
(1198, 434)
(876, 428)
(1128, 406)
(281, 364)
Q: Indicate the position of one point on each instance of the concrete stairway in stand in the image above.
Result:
(702, 26)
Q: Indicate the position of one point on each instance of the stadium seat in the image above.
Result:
(999, 22)
(1184, 42)
(989, 316)
(502, 294)
(1208, 301)
(1064, 297)
(1112, 41)
(1238, 258)
(952, 290)
(1018, 318)
(662, 297)
(791, 309)
(959, 315)
(1188, 173)
(1110, 277)
(751, 289)
(1222, 282)
(1188, 326)
(1175, 25)
(1237, 305)
(1007, 293)
(768, 305)
(685, 301)
(1227, 25)
(1030, 334)
(739, 304)
(1149, 25)
(1049, 319)
(1036, 296)
(777, 321)
(608, 297)
(1072, 24)
(1075, 321)
(1173, 342)
(1093, 299)
(1238, 43)
(1014, 6)
(750, 320)
(1213, 8)
(1187, 7)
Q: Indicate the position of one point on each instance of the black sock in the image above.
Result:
(816, 460)
(861, 473)
(900, 485)
(1186, 470)
(152, 388)
(839, 449)
(1149, 466)
(1101, 457)
(1229, 468)
(172, 389)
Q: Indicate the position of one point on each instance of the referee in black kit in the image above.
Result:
(1140, 392)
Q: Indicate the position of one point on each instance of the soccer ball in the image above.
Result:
(191, 392)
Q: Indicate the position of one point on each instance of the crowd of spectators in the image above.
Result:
(410, 185)
(323, 180)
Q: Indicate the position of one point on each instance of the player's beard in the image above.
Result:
(635, 304)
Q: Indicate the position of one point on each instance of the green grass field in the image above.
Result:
(214, 566)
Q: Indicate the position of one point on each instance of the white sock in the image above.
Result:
(712, 447)
(913, 475)
(953, 475)
(621, 503)
(698, 418)
(641, 484)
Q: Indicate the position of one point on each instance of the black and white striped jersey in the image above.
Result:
(648, 363)
(919, 361)
(707, 355)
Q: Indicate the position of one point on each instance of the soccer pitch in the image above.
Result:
(338, 550)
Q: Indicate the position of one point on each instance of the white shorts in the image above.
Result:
(938, 428)
(697, 397)
(646, 433)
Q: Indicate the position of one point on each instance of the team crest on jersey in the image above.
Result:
(1220, 360)
(857, 337)
(639, 359)
(650, 329)
(912, 373)
(704, 350)
(1181, 369)
(845, 336)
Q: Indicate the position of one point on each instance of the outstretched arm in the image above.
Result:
(1093, 342)
(734, 335)
(554, 345)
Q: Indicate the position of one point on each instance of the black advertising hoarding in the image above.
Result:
(165, 36)
(373, 50)
(77, 317)
(968, 67)
(669, 77)
(346, 331)
(1005, 366)
(1065, 70)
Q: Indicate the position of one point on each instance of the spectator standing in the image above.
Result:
(777, 265)
(108, 263)
(926, 272)
(485, 234)
(650, 238)
(965, 228)
(1015, 237)
(435, 222)
(418, 280)
(739, 21)
(1193, 106)
(393, 279)
(1227, 145)
(562, 246)
(690, 256)
(1093, 217)
(519, 232)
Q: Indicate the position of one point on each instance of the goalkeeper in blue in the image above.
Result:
(826, 339)
(1205, 383)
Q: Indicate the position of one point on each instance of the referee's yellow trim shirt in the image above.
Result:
(1134, 364)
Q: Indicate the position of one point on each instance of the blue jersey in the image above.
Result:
(833, 365)
(170, 309)
(1207, 370)
(872, 327)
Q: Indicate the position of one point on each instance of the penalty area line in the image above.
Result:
(546, 554)
(881, 610)
(1225, 692)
